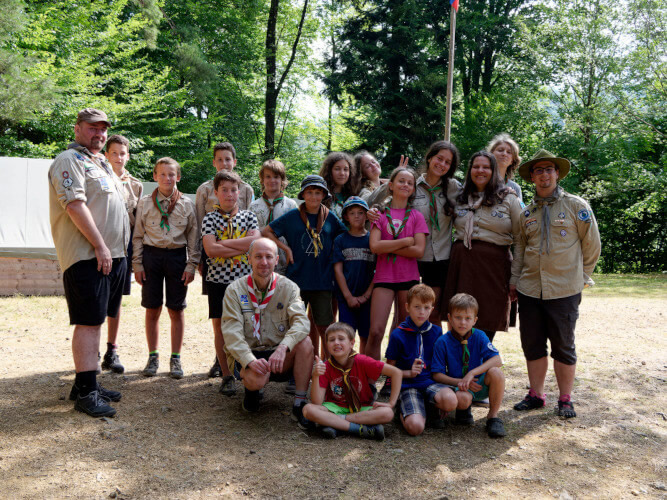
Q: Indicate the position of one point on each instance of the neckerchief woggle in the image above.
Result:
(259, 305)
(409, 326)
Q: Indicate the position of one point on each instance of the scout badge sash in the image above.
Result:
(173, 199)
(257, 305)
(349, 391)
(322, 215)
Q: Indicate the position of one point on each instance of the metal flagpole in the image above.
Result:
(450, 72)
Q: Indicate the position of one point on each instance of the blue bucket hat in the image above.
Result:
(314, 181)
(352, 201)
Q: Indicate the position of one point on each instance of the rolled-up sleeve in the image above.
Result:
(68, 178)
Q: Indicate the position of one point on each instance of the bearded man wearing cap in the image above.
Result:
(91, 232)
(558, 247)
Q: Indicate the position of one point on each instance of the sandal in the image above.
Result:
(566, 409)
(529, 403)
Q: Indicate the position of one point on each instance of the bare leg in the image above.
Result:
(537, 373)
(252, 381)
(413, 424)
(379, 415)
(564, 377)
(153, 328)
(402, 298)
(220, 346)
(464, 399)
(322, 416)
(495, 379)
(446, 400)
(300, 361)
(435, 314)
(314, 334)
(177, 329)
(362, 344)
(85, 346)
(381, 302)
(112, 327)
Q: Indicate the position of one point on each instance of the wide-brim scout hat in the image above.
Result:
(314, 181)
(92, 115)
(562, 164)
(352, 201)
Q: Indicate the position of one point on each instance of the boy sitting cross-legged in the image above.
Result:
(411, 349)
(466, 360)
(342, 400)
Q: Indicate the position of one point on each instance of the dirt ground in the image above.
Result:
(182, 439)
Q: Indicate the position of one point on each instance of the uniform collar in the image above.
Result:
(422, 180)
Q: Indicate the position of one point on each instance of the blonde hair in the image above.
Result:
(516, 159)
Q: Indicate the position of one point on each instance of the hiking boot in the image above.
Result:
(290, 388)
(175, 368)
(464, 417)
(228, 387)
(529, 403)
(94, 405)
(495, 427)
(375, 432)
(111, 362)
(215, 370)
(106, 394)
(329, 433)
(152, 366)
(302, 422)
(251, 401)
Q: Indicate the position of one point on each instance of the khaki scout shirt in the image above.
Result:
(282, 321)
(133, 191)
(499, 224)
(575, 248)
(182, 232)
(261, 210)
(438, 243)
(78, 174)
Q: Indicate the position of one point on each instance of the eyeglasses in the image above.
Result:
(540, 171)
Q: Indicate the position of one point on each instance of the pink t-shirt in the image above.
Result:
(405, 268)
(363, 369)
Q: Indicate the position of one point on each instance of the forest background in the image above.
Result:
(294, 79)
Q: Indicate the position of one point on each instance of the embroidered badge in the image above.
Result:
(563, 232)
(491, 347)
(280, 305)
(526, 213)
(494, 214)
(500, 216)
(534, 209)
(559, 221)
(530, 222)
(79, 157)
(244, 299)
(65, 174)
(584, 215)
(561, 215)
(67, 182)
(281, 328)
(462, 213)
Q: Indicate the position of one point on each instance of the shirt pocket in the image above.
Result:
(97, 181)
(562, 229)
(280, 321)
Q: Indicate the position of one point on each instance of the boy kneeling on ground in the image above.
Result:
(466, 360)
(342, 400)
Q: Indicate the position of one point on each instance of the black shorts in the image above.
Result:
(274, 377)
(216, 294)
(554, 320)
(91, 296)
(403, 286)
(434, 273)
(127, 288)
(204, 271)
(320, 304)
(164, 268)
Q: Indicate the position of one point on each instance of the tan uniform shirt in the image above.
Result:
(183, 231)
(575, 248)
(282, 321)
(499, 224)
(438, 243)
(77, 174)
(261, 210)
(133, 191)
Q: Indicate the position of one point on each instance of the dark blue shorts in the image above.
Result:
(358, 318)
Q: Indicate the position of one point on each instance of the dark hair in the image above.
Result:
(365, 182)
(224, 146)
(495, 190)
(432, 151)
(462, 302)
(226, 176)
(351, 187)
(277, 168)
(118, 139)
(339, 327)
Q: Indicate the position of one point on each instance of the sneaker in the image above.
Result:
(375, 432)
(529, 403)
(175, 368)
(94, 405)
(464, 417)
(302, 422)
(495, 427)
(215, 370)
(111, 362)
(329, 432)
(106, 394)
(290, 388)
(152, 366)
(251, 401)
(228, 387)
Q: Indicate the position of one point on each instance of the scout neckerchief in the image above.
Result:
(474, 202)
(546, 203)
(339, 199)
(349, 391)
(257, 305)
(272, 204)
(322, 215)
(173, 199)
(432, 205)
(409, 326)
(390, 224)
(466, 353)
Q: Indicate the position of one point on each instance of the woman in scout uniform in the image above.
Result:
(486, 224)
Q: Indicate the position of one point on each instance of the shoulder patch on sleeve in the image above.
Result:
(584, 215)
(491, 347)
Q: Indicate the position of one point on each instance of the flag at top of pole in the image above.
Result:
(454, 4)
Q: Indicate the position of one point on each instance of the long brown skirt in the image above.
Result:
(484, 272)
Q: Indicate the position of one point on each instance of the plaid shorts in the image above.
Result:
(411, 401)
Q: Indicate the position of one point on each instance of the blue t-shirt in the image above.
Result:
(448, 353)
(308, 272)
(405, 346)
(358, 262)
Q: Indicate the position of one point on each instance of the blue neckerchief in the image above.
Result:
(409, 326)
